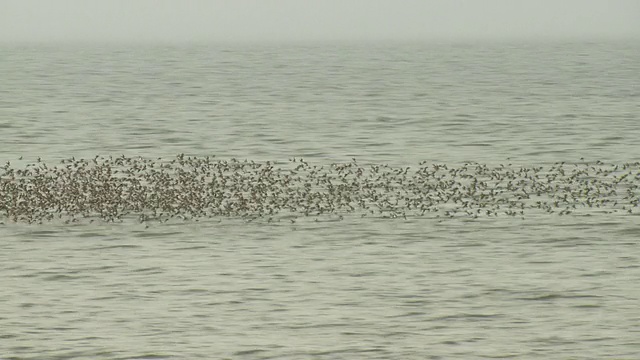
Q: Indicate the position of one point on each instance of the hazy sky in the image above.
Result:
(300, 20)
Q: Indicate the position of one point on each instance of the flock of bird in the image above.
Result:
(193, 188)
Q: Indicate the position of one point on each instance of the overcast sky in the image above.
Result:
(306, 20)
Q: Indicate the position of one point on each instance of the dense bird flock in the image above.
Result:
(193, 188)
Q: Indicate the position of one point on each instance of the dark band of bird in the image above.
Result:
(191, 188)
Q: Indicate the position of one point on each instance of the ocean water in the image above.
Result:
(542, 286)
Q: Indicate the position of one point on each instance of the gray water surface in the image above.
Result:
(542, 287)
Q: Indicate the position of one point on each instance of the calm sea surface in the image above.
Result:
(542, 287)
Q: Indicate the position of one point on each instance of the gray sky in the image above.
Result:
(302, 20)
